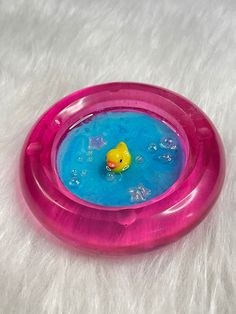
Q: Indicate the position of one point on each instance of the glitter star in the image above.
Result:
(139, 193)
(96, 142)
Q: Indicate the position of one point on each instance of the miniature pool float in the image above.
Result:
(122, 167)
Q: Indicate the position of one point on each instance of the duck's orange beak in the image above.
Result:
(111, 165)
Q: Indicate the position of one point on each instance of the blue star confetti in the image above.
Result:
(96, 142)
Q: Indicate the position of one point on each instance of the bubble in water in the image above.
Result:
(90, 153)
(120, 176)
(139, 159)
(108, 168)
(168, 142)
(74, 182)
(74, 172)
(139, 193)
(152, 148)
(90, 159)
(80, 159)
(83, 172)
(165, 158)
(110, 176)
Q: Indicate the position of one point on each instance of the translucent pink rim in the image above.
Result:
(141, 226)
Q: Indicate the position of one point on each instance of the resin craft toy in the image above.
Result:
(119, 158)
(81, 185)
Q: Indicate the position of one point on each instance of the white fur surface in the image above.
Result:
(50, 48)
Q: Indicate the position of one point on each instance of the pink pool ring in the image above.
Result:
(126, 229)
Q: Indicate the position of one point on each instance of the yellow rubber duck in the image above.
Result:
(119, 158)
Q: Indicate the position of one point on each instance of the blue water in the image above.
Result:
(157, 158)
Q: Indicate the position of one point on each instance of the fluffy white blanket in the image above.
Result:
(49, 48)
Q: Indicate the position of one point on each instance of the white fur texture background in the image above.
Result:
(49, 48)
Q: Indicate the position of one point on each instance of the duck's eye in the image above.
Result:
(120, 160)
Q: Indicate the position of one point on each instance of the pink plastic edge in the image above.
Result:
(114, 230)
